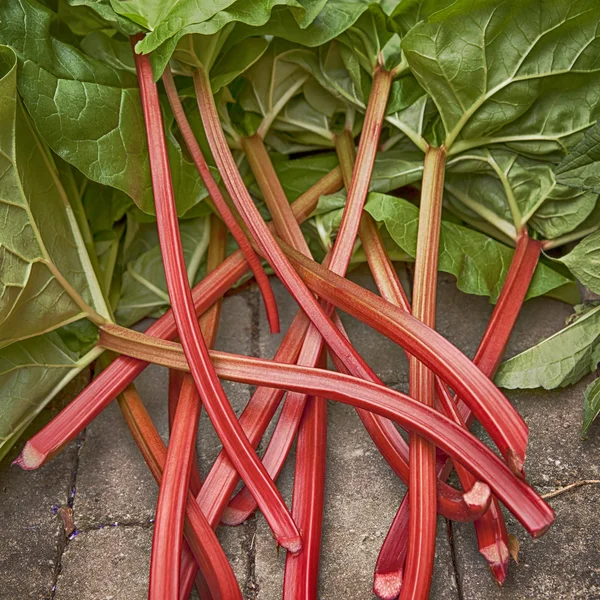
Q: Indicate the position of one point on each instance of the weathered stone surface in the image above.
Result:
(32, 531)
(562, 564)
(112, 562)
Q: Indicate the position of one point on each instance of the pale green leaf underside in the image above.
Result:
(591, 405)
(584, 261)
(32, 372)
(581, 167)
(46, 278)
(558, 361)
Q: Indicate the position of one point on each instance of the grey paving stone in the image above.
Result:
(563, 564)
(109, 563)
(113, 481)
(32, 533)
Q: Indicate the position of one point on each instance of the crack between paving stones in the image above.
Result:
(251, 587)
(450, 533)
(63, 539)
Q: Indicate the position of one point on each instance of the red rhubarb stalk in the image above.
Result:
(218, 408)
(67, 425)
(302, 570)
(490, 407)
(535, 515)
(423, 476)
(491, 532)
(215, 193)
(201, 539)
(167, 539)
(288, 228)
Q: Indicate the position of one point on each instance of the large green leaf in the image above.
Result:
(46, 277)
(591, 405)
(105, 11)
(478, 262)
(558, 361)
(523, 72)
(32, 372)
(584, 261)
(581, 167)
(87, 111)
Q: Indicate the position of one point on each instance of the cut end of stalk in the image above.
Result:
(30, 458)
(497, 556)
(292, 545)
(479, 496)
(386, 586)
(232, 517)
(515, 463)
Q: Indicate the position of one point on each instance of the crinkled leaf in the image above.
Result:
(115, 53)
(523, 72)
(591, 405)
(191, 18)
(144, 289)
(478, 262)
(46, 277)
(584, 261)
(88, 112)
(581, 167)
(32, 372)
(104, 9)
(558, 361)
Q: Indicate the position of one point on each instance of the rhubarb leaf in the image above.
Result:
(509, 190)
(558, 361)
(196, 20)
(591, 405)
(88, 112)
(522, 72)
(144, 288)
(581, 167)
(32, 372)
(478, 262)
(46, 278)
(584, 261)
(106, 13)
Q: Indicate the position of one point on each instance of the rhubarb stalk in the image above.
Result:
(83, 409)
(220, 203)
(204, 544)
(218, 408)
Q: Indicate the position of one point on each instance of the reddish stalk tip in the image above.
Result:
(232, 517)
(515, 463)
(497, 556)
(30, 458)
(387, 586)
(293, 545)
(479, 495)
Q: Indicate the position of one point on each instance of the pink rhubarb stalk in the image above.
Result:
(202, 541)
(423, 476)
(301, 575)
(459, 444)
(215, 193)
(218, 408)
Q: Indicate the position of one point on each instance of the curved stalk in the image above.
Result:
(202, 541)
(213, 189)
(83, 409)
(217, 405)
(491, 532)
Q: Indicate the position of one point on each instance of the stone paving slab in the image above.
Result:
(362, 495)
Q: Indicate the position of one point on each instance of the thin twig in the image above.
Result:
(562, 490)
